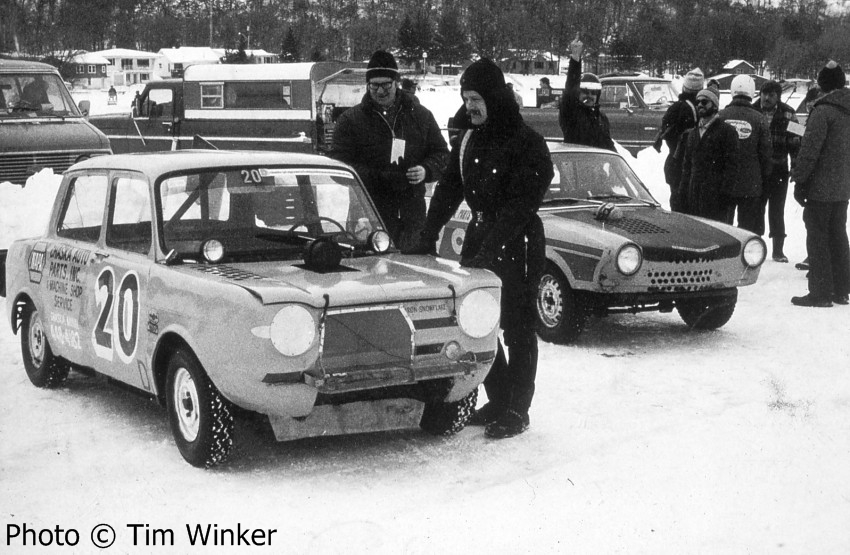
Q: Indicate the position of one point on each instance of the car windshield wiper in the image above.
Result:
(555, 201)
(295, 237)
(283, 236)
(610, 196)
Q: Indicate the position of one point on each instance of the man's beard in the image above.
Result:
(705, 112)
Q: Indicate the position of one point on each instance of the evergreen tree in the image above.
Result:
(291, 49)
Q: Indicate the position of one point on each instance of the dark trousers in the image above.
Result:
(403, 214)
(827, 248)
(750, 213)
(773, 199)
(510, 383)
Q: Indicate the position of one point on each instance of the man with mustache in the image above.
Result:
(579, 116)
(396, 147)
(708, 164)
(502, 168)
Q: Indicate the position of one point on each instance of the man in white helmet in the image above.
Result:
(752, 160)
(579, 115)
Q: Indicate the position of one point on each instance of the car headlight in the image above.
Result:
(754, 252)
(293, 330)
(629, 259)
(478, 313)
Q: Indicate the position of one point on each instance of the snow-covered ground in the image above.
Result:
(645, 438)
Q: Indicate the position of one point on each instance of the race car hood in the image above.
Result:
(656, 231)
(379, 279)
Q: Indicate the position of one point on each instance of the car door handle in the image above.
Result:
(100, 256)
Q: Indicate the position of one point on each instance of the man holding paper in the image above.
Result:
(785, 133)
(395, 145)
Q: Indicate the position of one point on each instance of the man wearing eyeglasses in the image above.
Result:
(708, 163)
(396, 147)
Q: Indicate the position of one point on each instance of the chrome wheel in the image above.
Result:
(550, 301)
(187, 404)
(37, 340)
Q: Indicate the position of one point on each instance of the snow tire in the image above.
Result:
(44, 369)
(447, 419)
(708, 313)
(561, 315)
(201, 418)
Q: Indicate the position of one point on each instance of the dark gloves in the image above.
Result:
(800, 194)
(421, 247)
(478, 261)
(395, 179)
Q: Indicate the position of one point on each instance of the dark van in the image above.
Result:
(40, 126)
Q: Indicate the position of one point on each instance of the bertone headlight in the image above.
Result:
(293, 330)
(754, 252)
(629, 259)
(478, 314)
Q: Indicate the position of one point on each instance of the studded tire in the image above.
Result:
(201, 418)
(707, 313)
(44, 369)
(447, 419)
(561, 315)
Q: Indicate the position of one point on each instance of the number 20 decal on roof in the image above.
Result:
(119, 315)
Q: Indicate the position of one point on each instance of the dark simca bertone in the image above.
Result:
(611, 248)
(214, 280)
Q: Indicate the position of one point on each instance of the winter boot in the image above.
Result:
(778, 255)
(510, 424)
(487, 414)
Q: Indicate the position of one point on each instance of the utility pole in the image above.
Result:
(211, 25)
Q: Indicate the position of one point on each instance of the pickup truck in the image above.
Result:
(228, 106)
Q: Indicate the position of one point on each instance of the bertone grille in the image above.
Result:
(18, 167)
(691, 276)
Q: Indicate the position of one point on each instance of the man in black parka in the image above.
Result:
(579, 117)
(395, 145)
(502, 168)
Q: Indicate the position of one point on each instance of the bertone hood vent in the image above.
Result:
(636, 226)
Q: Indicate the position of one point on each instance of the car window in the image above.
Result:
(34, 94)
(583, 175)
(82, 212)
(655, 94)
(263, 211)
(129, 226)
(616, 97)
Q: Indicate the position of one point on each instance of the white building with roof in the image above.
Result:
(129, 67)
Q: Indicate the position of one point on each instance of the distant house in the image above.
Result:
(172, 61)
(737, 67)
(535, 63)
(91, 71)
(129, 67)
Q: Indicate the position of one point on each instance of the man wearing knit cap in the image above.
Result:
(579, 117)
(395, 145)
(786, 142)
(822, 186)
(680, 117)
(502, 168)
(709, 150)
(753, 158)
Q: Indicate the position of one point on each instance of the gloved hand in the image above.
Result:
(422, 247)
(477, 261)
(800, 195)
(395, 179)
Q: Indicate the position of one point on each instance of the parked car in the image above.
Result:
(40, 127)
(635, 103)
(213, 279)
(611, 248)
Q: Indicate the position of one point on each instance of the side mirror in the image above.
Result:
(85, 107)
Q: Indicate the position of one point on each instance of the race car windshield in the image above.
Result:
(264, 213)
(591, 176)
